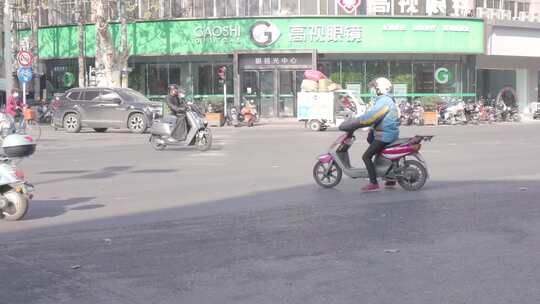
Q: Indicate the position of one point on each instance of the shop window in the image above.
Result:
(353, 75)
(289, 7)
(148, 9)
(490, 82)
(323, 7)
(157, 79)
(61, 76)
(376, 69)
(177, 9)
(209, 8)
(137, 78)
(446, 78)
(270, 8)
(252, 7)
(423, 78)
(307, 7)
(331, 69)
(197, 8)
(401, 77)
(175, 74)
(205, 80)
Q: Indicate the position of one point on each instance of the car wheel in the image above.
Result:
(72, 123)
(100, 130)
(137, 123)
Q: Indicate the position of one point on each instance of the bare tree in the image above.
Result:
(9, 45)
(110, 62)
(80, 25)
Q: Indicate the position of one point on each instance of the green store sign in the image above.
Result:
(328, 35)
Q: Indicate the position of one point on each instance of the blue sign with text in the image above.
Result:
(24, 74)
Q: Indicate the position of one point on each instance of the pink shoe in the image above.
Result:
(370, 188)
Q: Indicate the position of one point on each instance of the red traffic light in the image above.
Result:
(221, 71)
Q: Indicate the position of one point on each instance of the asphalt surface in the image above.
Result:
(114, 221)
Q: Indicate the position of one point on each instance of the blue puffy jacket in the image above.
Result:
(383, 117)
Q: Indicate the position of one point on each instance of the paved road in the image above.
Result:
(116, 222)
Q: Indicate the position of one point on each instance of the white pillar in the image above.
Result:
(522, 89)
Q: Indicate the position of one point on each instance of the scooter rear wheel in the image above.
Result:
(327, 175)
(157, 143)
(414, 175)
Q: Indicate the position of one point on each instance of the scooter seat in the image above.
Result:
(398, 142)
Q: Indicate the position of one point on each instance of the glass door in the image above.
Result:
(287, 94)
(267, 93)
(250, 87)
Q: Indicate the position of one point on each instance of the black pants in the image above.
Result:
(180, 130)
(375, 147)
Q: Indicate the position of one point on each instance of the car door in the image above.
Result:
(110, 110)
(86, 106)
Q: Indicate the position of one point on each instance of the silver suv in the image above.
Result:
(104, 108)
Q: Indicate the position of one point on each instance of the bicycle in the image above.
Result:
(28, 124)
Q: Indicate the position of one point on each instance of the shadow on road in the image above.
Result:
(305, 243)
(52, 208)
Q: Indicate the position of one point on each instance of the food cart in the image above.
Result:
(322, 110)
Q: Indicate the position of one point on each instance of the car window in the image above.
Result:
(132, 95)
(108, 95)
(73, 95)
(90, 95)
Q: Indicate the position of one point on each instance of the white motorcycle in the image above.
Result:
(15, 191)
(198, 135)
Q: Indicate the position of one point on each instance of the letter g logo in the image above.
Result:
(264, 33)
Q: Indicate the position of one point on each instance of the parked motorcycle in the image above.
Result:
(198, 132)
(452, 112)
(417, 116)
(44, 112)
(472, 113)
(536, 114)
(399, 161)
(405, 110)
(250, 114)
(15, 191)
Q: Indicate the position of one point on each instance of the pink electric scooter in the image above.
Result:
(399, 161)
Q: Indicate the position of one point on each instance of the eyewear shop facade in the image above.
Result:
(266, 58)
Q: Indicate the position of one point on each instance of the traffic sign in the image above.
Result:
(25, 58)
(24, 74)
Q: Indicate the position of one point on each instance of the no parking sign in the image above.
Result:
(25, 58)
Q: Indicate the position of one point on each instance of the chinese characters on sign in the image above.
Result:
(325, 33)
(435, 7)
(408, 7)
(379, 7)
(282, 60)
(459, 8)
(397, 27)
(266, 60)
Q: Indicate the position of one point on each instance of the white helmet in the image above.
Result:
(381, 85)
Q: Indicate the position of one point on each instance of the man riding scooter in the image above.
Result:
(177, 105)
(383, 118)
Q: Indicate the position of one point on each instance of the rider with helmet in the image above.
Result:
(177, 105)
(383, 118)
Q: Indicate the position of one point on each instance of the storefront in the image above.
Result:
(511, 66)
(266, 58)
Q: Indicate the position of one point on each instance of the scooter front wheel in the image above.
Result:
(157, 143)
(327, 175)
(17, 206)
(204, 140)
